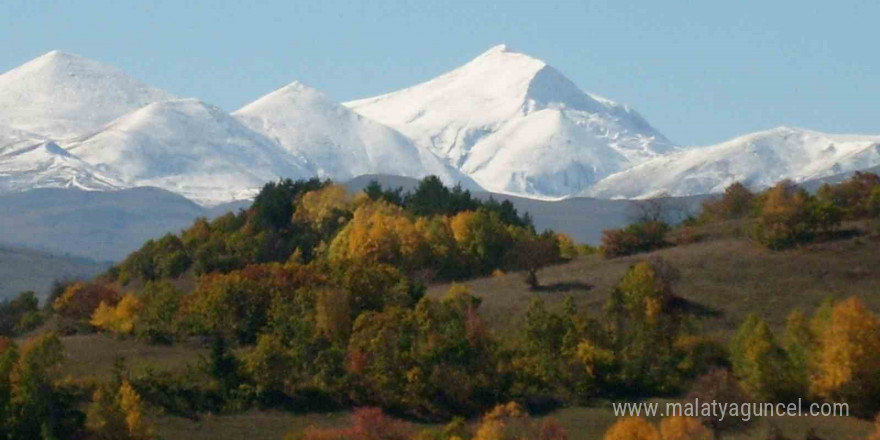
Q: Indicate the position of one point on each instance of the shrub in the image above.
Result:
(789, 216)
(736, 202)
(367, 424)
(718, 385)
(80, 300)
(20, 315)
(635, 238)
(684, 428)
(119, 319)
(632, 428)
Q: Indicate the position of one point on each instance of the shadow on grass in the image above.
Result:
(563, 287)
(693, 308)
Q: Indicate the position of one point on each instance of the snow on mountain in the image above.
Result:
(757, 160)
(190, 148)
(517, 125)
(58, 95)
(337, 142)
(46, 165)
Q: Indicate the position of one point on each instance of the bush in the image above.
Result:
(635, 238)
(737, 202)
(789, 216)
(20, 315)
(80, 300)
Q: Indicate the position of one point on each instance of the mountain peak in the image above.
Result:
(496, 49)
(517, 125)
(61, 95)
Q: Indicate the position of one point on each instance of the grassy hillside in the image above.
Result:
(728, 277)
(25, 269)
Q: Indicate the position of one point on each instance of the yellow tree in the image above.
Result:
(504, 422)
(849, 357)
(632, 428)
(326, 208)
(684, 428)
(117, 415)
(120, 319)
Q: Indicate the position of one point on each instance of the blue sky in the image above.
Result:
(700, 71)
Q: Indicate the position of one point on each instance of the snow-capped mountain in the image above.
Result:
(187, 147)
(505, 122)
(517, 125)
(58, 95)
(336, 142)
(758, 160)
(25, 166)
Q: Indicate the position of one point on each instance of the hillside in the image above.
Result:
(190, 148)
(103, 226)
(26, 269)
(727, 277)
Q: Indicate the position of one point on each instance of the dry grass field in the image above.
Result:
(728, 276)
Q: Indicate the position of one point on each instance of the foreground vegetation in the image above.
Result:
(315, 300)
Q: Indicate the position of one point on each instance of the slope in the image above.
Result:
(517, 125)
(336, 142)
(757, 160)
(26, 269)
(190, 148)
(58, 95)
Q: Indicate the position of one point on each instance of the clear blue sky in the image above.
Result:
(700, 71)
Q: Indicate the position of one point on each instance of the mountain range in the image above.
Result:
(505, 122)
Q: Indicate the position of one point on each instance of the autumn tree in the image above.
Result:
(530, 256)
(789, 215)
(116, 413)
(158, 319)
(79, 301)
(852, 196)
(684, 428)
(367, 424)
(325, 210)
(504, 422)
(645, 325)
(236, 304)
(632, 428)
(38, 408)
(736, 202)
(848, 357)
(482, 237)
(633, 239)
(119, 319)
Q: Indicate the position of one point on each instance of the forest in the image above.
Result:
(315, 299)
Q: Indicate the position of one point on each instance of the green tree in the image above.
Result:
(38, 408)
(762, 366)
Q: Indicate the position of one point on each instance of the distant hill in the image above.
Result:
(26, 269)
(103, 226)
